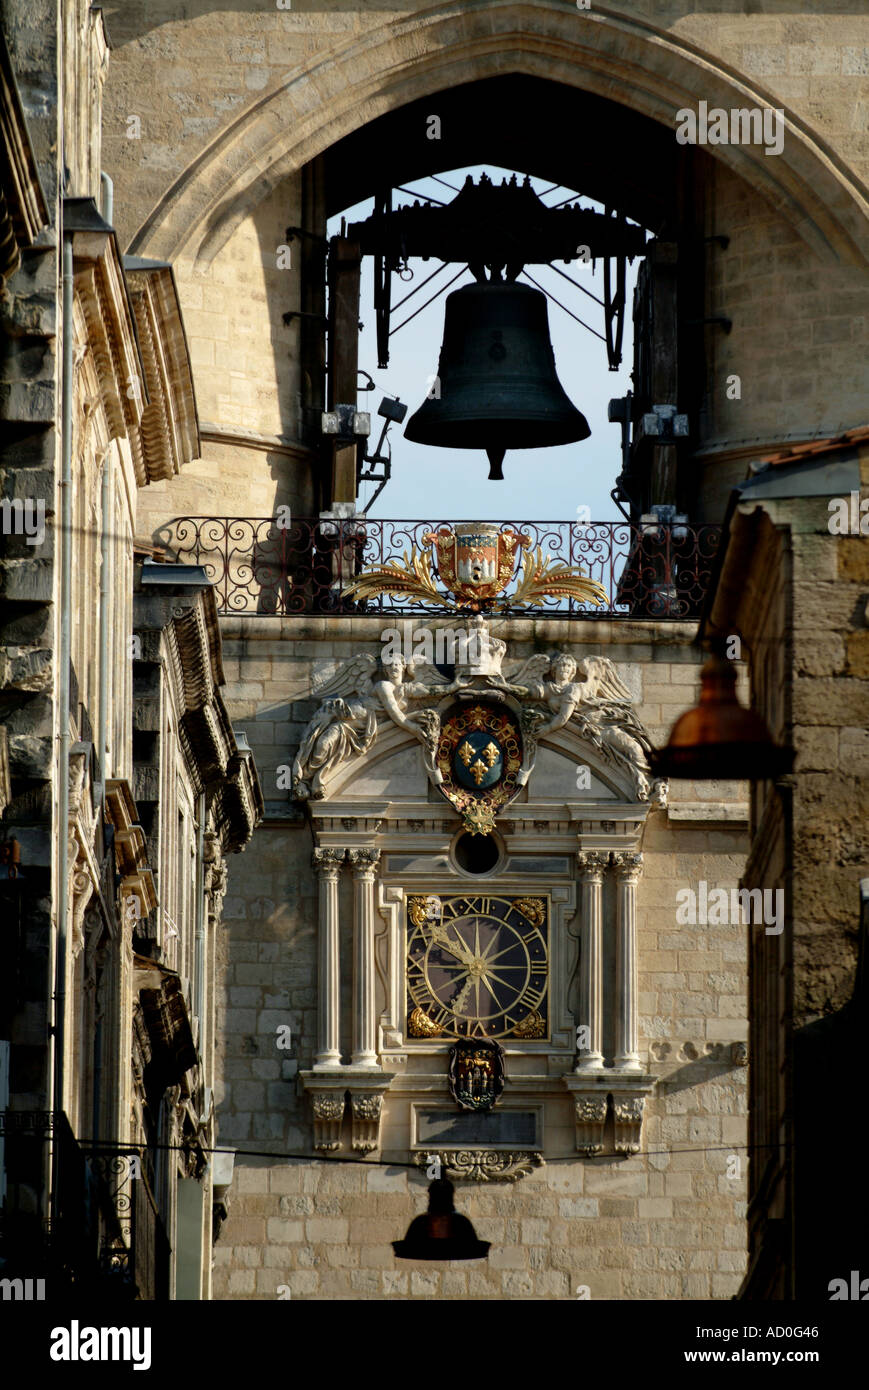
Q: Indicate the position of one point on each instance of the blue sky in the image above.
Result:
(539, 484)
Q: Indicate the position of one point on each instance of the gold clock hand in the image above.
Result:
(460, 952)
(462, 995)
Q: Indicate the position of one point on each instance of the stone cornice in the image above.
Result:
(136, 334)
(190, 652)
(648, 632)
(170, 426)
(102, 294)
(23, 209)
(249, 439)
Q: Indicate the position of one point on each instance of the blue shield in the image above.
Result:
(478, 761)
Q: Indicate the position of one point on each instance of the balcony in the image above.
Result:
(104, 1234)
(653, 569)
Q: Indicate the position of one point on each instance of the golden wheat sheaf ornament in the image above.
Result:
(475, 562)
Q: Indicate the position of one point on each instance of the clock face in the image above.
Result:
(477, 966)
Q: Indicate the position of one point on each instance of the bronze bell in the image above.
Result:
(719, 738)
(442, 1233)
(496, 387)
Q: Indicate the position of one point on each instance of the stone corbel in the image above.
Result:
(366, 1106)
(590, 1109)
(82, 891)
(628, 1118)
(367, 1109)
(327, 1108)
(328, 1105)
(629, 1103)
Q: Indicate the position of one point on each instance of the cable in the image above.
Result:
(444, 182)
(570, 279)
(428, 302)
(119, 1149)
(551, 296)
(422, 284)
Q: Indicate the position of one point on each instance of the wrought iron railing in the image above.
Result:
(103, 1235)
(650, 569)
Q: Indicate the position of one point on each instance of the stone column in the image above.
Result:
(592, 867)
(364, 862)
(327, 865)
(628, 868)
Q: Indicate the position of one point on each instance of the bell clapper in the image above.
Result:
(496, 458)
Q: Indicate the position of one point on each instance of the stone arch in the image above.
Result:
(391, 740)
(622, 58)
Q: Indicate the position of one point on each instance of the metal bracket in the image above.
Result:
(663, 424)
(292, 232)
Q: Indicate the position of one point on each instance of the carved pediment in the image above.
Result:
(581, 708)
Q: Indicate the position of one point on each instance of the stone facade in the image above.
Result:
(666, 1223)
(793, 582)
(124, 785)
(228, 135)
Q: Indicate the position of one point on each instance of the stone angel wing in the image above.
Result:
(531, 672)
(423, 675)
(351, 676)
(602, 681)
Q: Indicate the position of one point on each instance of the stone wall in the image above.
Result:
(661, 1224)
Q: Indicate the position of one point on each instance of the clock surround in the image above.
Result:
(478, 966)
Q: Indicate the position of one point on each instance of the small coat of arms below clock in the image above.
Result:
(476, 1073)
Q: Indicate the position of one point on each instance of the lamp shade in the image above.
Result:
(719, 738)
(441, 1234)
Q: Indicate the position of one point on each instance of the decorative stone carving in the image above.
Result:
(590, 693)
(628, 1116)
(367, 1109)
(327, 862)
(590, 1118)
(346, 724)
(82, 885)
(739, 1054)
(215, 872)
(482, 1165)
(364, 862)
(328, 1110)
(547, 692)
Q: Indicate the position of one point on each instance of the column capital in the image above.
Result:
(327, 862)
(628, 865)
(364, 862)
(592, 864)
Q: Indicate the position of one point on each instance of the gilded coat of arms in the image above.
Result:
(476, 1073)
(479, 757)
(476, 561)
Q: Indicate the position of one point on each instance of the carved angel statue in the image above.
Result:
(591, 692)
(346, 723)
